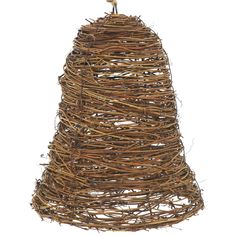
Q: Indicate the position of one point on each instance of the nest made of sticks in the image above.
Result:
(117, 161)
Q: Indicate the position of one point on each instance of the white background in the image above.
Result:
(199, 37)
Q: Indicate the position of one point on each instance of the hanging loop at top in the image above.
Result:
(114, 4)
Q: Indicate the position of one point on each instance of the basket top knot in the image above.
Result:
(122, 30)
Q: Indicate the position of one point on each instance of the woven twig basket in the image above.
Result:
(117, 161)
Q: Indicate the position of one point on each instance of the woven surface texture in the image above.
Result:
(117, 161)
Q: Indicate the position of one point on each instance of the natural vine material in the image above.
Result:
(117, 161)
